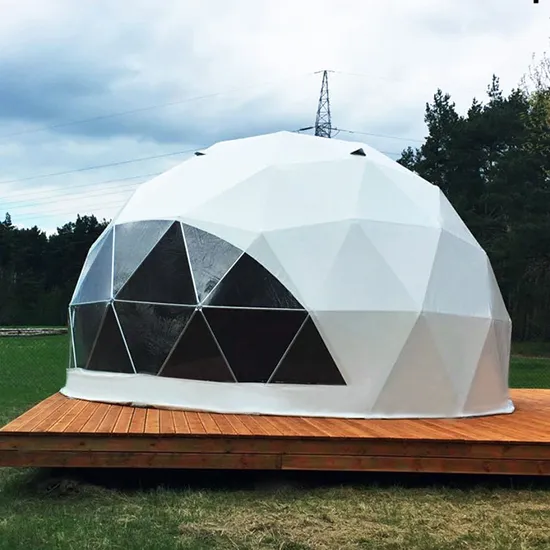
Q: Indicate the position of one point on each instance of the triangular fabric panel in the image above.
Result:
(262, 252)
(133, 242)
(164, 276)
(498, 307)
(503, 335)
(367, 343)
(254, 340)
(110, 353)
(151, 331)
(459, 342)
(346, 289)
(317, 202)
(247, 196)
(87, 319)
(249, 284)
(423, 195)
(96, 285)
(418, 384)
(197, 355)
(210, 258)
(458, 283)
(307, 254)
(488, 388)
(308, 361)
(409, 251)
(381, 199)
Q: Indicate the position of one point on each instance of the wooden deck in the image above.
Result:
(62, 432)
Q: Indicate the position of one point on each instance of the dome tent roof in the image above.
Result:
(321, 260)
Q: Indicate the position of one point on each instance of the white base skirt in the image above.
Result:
(238, 398)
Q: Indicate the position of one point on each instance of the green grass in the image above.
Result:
(138, 510)
(531, 349)
(31, 368)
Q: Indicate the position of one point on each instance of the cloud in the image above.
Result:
(213, 70)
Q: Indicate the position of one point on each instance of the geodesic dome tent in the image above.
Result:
(294, 275)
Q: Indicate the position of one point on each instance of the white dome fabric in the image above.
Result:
(292, 275)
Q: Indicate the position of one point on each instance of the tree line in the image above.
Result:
(492, 162)
(38, 272)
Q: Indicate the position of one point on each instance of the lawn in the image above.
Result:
(218, 510)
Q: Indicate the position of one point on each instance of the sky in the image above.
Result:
(98, 96)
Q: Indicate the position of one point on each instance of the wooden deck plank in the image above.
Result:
(416, 464)
(282, 445)
(37, 410)
(37, 415)
(96, 418)
(137, 424)
(224, 424)
(167, 425)
(209, 423)
(180, 423)
(71, 411)
(62, 431)
(124, 421)
(76, 424)
(71, 459)
(110, 419)
(253, 424)
(237, 424)
(194, 422)
(152, 421)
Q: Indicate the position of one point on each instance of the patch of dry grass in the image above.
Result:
(349, 518)
(209, 511)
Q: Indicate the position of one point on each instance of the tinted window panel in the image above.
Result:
(164, 276)
(253, 341)
(210, 258)
(308, 361)
(151, 331)
(249, 284)
(197, 356)
(110, 353)
(87, 320)
(133, 242)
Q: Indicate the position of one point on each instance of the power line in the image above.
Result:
(379, 135)
(146, 108)
(174, 153)
(49, 193)
(119, 163)
(64, 197)
(51, 196)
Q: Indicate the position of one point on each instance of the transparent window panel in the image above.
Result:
(72, 363)
(249, 284)
(308, 361)
(90, 259)
(164, 275)
(151, 331)
(197, 356)
(133, 242)
(109, 353)
(96, 286)
(210, 258)
(87, 320)
(253, 340)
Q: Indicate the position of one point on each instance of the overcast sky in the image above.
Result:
(197, 71)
